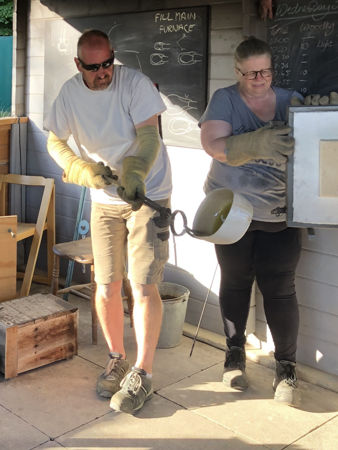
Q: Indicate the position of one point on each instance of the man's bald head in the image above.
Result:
(92, 39)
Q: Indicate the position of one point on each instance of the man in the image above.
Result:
(112, 113)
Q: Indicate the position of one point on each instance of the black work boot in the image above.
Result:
(234, 375)
(285, 383)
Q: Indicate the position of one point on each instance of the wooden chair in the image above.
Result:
(8, 228)
(45, 222)
(81, 252)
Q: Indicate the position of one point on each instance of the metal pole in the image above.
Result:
(202, 312)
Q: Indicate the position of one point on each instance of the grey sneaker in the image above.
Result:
(109, 381)
(285, 383)
(234, 375)
(136, 388)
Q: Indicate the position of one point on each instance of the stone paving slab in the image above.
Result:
(160, 425)
(324, 437)
(50, 444)
(16, 434)
(170, 365)
(254, 413)
(191, 408)
(55, 398)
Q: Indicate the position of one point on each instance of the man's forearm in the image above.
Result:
(59, 150)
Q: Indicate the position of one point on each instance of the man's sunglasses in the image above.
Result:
(95, 67)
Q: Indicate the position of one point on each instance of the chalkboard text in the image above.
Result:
(303, 37)
(175, 22)
(284, 9)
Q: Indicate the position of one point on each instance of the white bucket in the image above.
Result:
(232, 227)
(175, 300)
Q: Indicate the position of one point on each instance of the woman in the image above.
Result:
(243, 130)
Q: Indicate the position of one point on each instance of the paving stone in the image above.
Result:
(253, 413)
(55, 398)
(324, 437)
(16, 434)
(160, 425)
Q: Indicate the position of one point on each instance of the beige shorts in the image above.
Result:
(126, 240)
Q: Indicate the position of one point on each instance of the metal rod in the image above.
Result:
(202, 312)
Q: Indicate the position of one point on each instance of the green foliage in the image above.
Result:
(5, 113)
(6, 17)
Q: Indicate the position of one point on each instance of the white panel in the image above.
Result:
(310, 126)
(318, 267)
(318, 354)
(318, 325)
(226, 16)
(318, 296)
(325, 240)
(225, 41)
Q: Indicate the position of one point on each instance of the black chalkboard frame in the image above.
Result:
(181, 70)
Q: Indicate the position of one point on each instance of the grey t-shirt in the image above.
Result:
(261, 181)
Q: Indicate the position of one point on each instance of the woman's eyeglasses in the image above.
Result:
(252, 75)
(95, 67)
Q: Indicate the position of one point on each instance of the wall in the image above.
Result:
(6, 43)
(192, 262)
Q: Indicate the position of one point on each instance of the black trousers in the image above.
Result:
(271, 258)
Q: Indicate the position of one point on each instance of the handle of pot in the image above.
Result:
(185, 229)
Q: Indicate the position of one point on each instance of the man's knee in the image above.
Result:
(107, 292)
(144, 290)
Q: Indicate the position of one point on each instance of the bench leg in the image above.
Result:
(93, 306)
(55, 274)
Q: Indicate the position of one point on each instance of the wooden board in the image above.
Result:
(8, 257)
(328, 166)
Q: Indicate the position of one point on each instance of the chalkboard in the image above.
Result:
(170, 46)
(303, 36)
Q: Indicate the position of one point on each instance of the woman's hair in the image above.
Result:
(251, 47)
(91, 36)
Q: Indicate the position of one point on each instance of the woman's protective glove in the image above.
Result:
(76, 170)
(136, 168)
(316, 100)
(269, 142)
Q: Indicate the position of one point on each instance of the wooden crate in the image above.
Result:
(35, 331)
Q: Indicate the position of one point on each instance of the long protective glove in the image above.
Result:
(77, 171)
(316, 100)
(269, 142)
(136, 168)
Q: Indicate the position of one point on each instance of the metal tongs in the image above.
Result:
(166, 217)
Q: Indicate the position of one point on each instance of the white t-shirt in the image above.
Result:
(102, 124)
